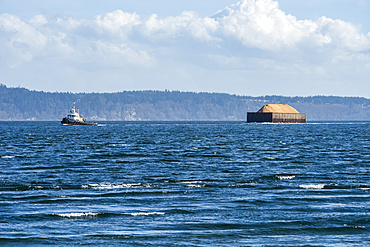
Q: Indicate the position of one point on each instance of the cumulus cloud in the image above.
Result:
(262, 24)
(186, 24)
(250, 33)
(259, 24)
(38, 20)
(342, 34)
(112, 54)
(118, 22)
(20, 41)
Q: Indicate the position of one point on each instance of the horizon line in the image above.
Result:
(171, 91)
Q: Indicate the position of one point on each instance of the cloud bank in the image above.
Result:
(252, 37)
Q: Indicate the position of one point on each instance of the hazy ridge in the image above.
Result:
(23, 104)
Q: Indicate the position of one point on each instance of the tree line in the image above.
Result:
(150, 105)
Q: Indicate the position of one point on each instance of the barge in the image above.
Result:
(276, 113)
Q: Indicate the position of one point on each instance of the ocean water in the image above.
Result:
(185, 184)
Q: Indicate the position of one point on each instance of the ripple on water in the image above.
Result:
(184, 183)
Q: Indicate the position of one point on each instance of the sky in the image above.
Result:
(245, 47)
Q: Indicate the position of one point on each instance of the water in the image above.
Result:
(185, 183)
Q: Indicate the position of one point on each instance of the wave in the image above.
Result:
(111, 186)
(192, 182)
(196, 185)
(312, 186)
(7, 157)
(119, 145)
(78, 215)
(144, 213)
(285, 177)
(364, 187)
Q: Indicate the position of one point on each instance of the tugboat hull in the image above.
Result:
(66, 121)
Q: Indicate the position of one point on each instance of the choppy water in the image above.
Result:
(185, 183)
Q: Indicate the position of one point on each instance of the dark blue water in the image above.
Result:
(185, 183)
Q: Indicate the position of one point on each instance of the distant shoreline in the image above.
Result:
(19, 104)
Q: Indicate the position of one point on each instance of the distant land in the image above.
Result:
(22, 104)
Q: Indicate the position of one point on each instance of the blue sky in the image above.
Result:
(246, 47)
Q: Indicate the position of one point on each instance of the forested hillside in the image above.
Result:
(23, 104)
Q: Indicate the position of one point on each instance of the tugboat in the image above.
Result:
(74, 118)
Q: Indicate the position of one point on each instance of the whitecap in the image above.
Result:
(7, 157)
(120, 145)
(77, 215)
(196, 185)
(312, 186)
(144, 213)
(355, 227)
(113, 186)
(364, 188)
(285, 177)
(191, 182)
(251, 183)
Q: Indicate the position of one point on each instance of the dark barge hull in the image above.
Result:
(66, 121)
(269, 117)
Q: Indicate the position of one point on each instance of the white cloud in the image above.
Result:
(261, 24)
(38, 20)
(118, 22)
(249, 35)
(255, 24)
(184, 25)
(20, 41)
(343, 35)
(67, 24)
(112, 54)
